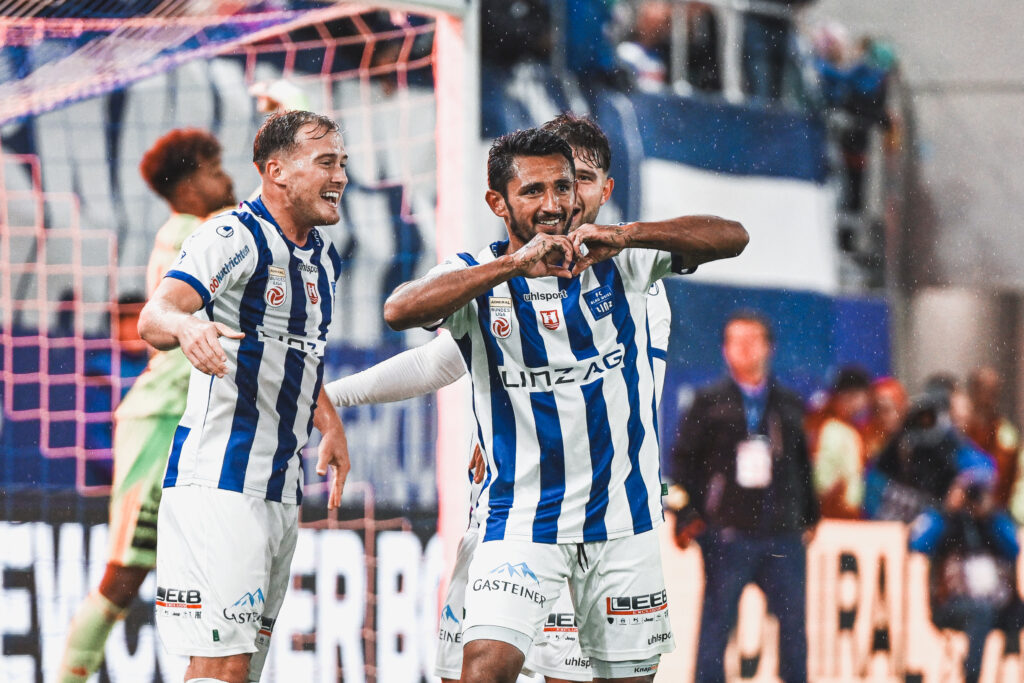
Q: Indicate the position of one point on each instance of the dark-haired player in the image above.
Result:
(552, 327)
(184, 168)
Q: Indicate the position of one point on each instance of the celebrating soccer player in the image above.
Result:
(183, 167)
(553, 330)
(249, 301)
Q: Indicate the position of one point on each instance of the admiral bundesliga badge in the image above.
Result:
(277, 286)
(501, 316)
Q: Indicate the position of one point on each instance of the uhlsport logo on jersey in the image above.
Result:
(246, 609)
(501, 316)
(514, 584)
(451, 627)
(225, 231)
(550, 319)
(277, 286)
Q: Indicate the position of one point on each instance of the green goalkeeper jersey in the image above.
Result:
(161, 390)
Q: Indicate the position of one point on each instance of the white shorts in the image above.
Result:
(556, 652)
(617, 586)
(222, 567)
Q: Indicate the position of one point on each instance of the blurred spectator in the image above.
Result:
(839, 449)
(741, 457)
(852, 85)
(279, 95)
(888, 408)
(972, 581)
(916, 469)
(768, 48)
(991, 431)
(513, 32)
(702, 64)
(589, 51)
(646, 49)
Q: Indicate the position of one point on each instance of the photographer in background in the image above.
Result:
(973, 548)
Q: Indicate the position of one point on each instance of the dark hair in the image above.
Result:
(586, 138)
(279, 130)
(532, 142)
(176, 156)
(851, 378)
(750, 315)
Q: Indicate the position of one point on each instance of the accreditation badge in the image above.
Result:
(277, 286)
(754, 463)
(501, 316)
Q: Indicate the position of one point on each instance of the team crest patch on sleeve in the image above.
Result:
(600, 301)
(501, 316)
(277, 286)
(550, 319)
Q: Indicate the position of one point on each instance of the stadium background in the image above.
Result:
(77, 224)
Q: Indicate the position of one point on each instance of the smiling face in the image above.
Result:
(313, 176)
(539, 198)
(593, 188)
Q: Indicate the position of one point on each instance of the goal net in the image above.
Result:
(85, 89)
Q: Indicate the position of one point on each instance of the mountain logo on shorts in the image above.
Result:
(521, 569)
(449, 614)
(249, 599)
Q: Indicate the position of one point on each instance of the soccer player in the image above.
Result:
(183, 167)
(553, 330)
(249, 301)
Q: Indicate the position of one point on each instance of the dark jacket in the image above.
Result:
(704, 462)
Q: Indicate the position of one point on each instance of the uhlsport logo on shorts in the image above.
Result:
(451, 627)
(514, 584)
(637, 609)
(246, 609)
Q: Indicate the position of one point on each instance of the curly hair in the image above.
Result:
(176, 156)
(586, 138)
(532, 142)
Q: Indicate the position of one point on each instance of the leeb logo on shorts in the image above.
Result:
(277, 286)
(501, 316)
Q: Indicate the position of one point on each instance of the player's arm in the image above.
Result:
(166, 321)
(418, 371)
(696, 239)
(333, 450)
(437, 295)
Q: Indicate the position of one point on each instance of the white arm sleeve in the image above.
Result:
(415, 372)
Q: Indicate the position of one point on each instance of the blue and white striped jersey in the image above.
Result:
(564, 399)
(244, 431)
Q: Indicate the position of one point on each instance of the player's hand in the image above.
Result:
(333, 455)
(199, 340)
(544, 255)
(688, 526)
(596, 243)
(476, 464)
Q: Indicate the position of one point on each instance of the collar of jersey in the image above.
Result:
(498, 248)
(261, 210)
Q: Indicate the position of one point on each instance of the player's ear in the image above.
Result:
(606, 191)
(495, 200)
(276, 171)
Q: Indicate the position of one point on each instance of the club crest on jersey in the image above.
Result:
(501, 316)
(314, 295)
(277, 286)
(600, 301)
(550, 319)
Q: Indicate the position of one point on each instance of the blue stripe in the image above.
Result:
(653, 353)
(180, 434)
(326, 286)
(309, 430)
(636, 490)
(297, 316)
(658, 353)
(288, 399)
(250, 356)
(552, 467)
(581, 338)
(535, 355)
(602, 452)
(466, 349)
(192, 282)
